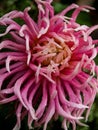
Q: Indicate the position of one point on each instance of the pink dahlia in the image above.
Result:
(47, 68)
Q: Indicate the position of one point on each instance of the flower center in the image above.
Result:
(52, 53)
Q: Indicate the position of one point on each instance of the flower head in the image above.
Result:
(47, 68)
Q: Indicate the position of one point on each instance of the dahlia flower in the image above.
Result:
(47, 67)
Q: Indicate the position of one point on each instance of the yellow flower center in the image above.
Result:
(52, 53)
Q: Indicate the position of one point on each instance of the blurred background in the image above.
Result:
(7, 115)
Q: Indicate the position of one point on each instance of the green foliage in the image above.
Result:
(84, 18)
(9, 5)
(58, 7)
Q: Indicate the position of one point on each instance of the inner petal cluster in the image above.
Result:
(52, 53)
